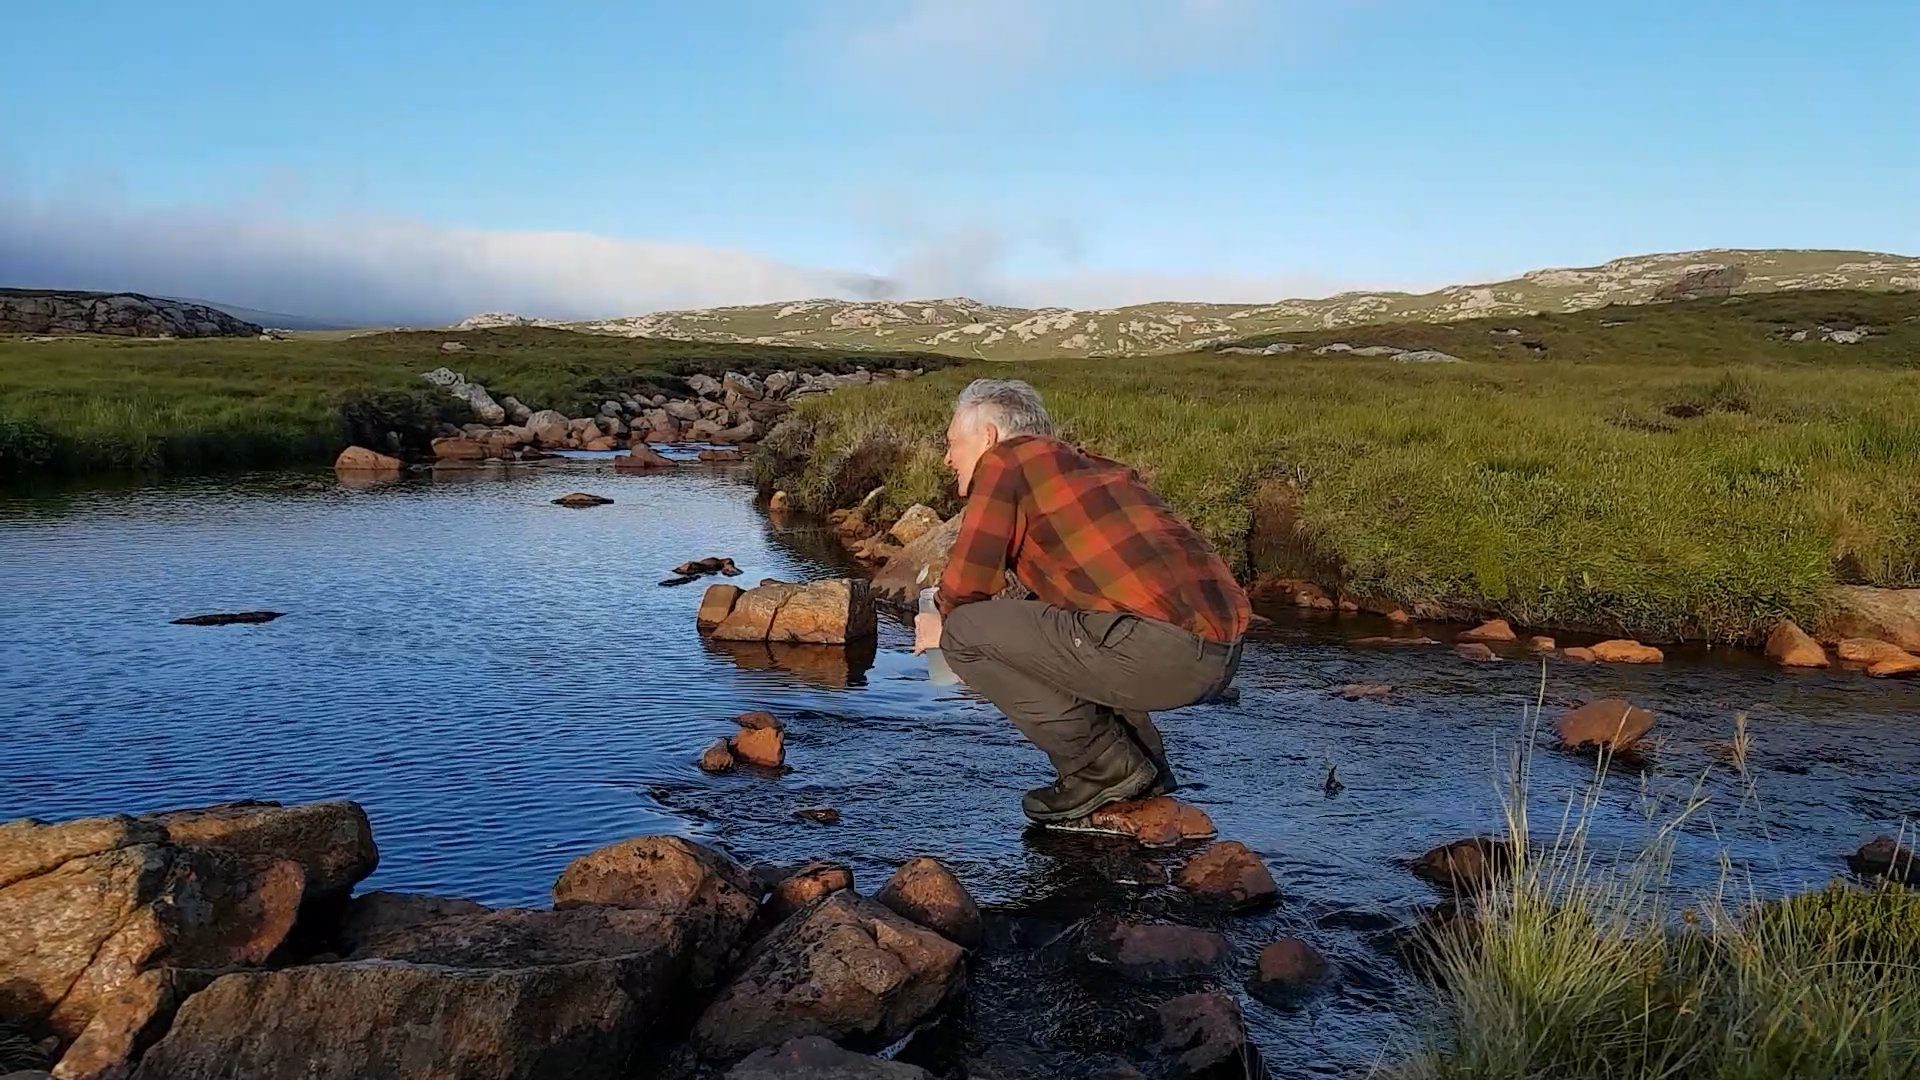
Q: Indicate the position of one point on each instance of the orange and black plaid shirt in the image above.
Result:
(1083, 532)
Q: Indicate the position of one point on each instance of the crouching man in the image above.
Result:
(1135, 614)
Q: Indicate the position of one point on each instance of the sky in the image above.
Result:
(421, 161)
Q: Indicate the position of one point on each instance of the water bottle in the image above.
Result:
(938, 673)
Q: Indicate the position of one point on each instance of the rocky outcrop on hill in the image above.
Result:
(32, 311)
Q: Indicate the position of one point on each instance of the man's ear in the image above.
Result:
(990, 435)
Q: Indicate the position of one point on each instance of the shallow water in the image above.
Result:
(505, 687)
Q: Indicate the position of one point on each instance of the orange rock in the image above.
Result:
(1626, 651)
(580, 499)
(717, 758)
(716, 605)
(1475, 652)
(1609, 722)
(765, 747)
(1322, 603)
(780, 502)
(805, 884)
(1580, 654)
(918, 521)
(1467, 864)
(361, 459)
(601, 443)
(753, 612)
(1357, 691)
(1157, 822)
(458, 448)
(1540, 643)
(758, 720)
(1286, 966)
(1228, 871)
(831, 612)
(1349, 607)
(927, 893)
(1492, 630)
(1399, 617)
(1790, 646)
(641, 458)
(1903, 665)
(1869, 650)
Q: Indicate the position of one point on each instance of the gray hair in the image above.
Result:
(1008, 404)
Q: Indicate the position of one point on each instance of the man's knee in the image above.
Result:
(961, 632)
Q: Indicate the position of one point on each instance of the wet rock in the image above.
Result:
(1885, 857)
(1790, 646)
(1580, 654)
(762, 740)
(918, 520)
(1287, 968)
(751, 618)
(715, 605)
(1493, 630)
(1609, 723)
(705, 892)
(830, 612)
(1626, 651)
(874, 549)
(1465, 865)
(581, 499)
(459, 448)
(721, 456)
(1869, 651)
(757, 720)
(780, 502)
(814, 1058)
(1161, 821)
(1153, 951)
(331, 841)
(805, 884)
(378, 913)
(1399, 617)
(709, 565)
(677, 580)
(1889, 668)
(1366, 691)
(927, 893)
(819, 815)
(1228, 872)
(361, 459)
(844, 968)
(1475, 653)
(229, 619)
(640, 458)
(1204, 1037)
(1540, 643)
(717, 758)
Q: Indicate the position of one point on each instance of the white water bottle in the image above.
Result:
(938, 673)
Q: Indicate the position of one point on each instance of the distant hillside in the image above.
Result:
(278, 320)
(965, 327)
(60, 312)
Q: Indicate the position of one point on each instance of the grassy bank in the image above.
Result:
(83, 404)
(1676, 471)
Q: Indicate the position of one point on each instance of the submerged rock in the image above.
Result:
(717, 758)
(1884, 856)
(1609, 723)
(581, 499)
(814, 1058)
(1286, 968)
(1540, 643)
(1790, 646)
(1475, 653)
(845, 968)
(762, 740)
(1228, 872)
(230, 619)
(1205, 1038)
(1465, 865)
(1150, 952)
(819, 815)
(926, 892)
(1366, 691)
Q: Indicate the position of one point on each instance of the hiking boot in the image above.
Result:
(1120, 772)
(1163, 781)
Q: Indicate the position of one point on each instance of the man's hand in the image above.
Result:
(926, 631)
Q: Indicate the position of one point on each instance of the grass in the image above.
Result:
(1689, 473)
(1581, 966)
(87, 404)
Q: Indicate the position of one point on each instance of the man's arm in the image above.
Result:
(977, 569)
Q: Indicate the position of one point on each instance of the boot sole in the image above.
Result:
(1120, 792)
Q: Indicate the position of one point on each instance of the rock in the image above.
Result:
(361, 459)
(1395, 641)
(1204, 1037)
(752, 616)
(601, 445)
(1609, 723)
(1161, 821)
(684, 411)
(712, 564)
(1883, 856)
(1425, 356)
(1476, 653)
(1887, 669)
(1493, 630)
(704, 385)
(380, 913)
(780, 502)
(1349, 607)
(1540, 643)
(1149, 952)
(927, 893)
(1869, 651)
(745, 385)
(765, 747)
(716, 604)
(1580, 654)
(722, 456)
(549, 428)
(581, 499)
(1465, 865)
(1228, 872)
(814, 1058)
(1366, 691)
(1790, 646)
(129, 1020)
(717, 758)
(452, 346)
(29, 847)
(819, 815)
(42, 312)
(918, 520)
(1286, 968)
(1861, 611)
(923, 561)
(703, 890)
(459, 448)
(1626, 651)
(332, 842)
(844, 968)
(509, 994)
(758, 720)
(830, 612)
(805, 884)
(1399, 617)
(246, 618)
(640, 458)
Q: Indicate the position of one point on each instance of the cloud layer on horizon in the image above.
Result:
(410, 272)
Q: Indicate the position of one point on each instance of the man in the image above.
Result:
(1134, 613)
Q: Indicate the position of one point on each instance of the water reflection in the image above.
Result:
(830, 667)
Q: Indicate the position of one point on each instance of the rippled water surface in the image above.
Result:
(505, 687)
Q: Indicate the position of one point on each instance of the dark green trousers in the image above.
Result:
(1074, 681)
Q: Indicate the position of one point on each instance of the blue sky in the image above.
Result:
(431, 158)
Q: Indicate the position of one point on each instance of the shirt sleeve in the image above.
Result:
(978, 568)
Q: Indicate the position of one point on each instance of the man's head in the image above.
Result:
(988, 412)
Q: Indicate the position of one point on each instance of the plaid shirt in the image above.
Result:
(1084, 533)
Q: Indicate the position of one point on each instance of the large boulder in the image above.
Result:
(845, 968)
(918, 520)
(359, 459)
(704, 385)
(745, 385)
(814, 1058)
(751, 617)
(1861, 611)
(707, 892)
(1203, 1037)
(372, 915)
(716, 604)
(129, 1020)
(549, 427)
(1228, 872)
(830, 612)
(1790, 646)
(331, 841)
(927, 893)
